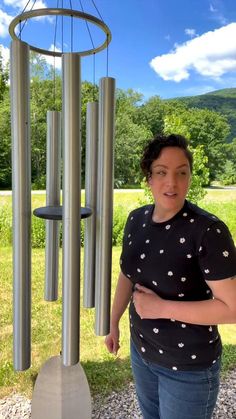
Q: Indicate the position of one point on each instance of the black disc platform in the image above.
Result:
(55, 213)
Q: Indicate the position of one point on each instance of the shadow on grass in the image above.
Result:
(104, 376)
(107, 376)
(228, 359)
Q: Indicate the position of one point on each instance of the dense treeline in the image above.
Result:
(223, 101)
(136, 122)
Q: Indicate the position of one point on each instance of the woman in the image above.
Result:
(178, 270)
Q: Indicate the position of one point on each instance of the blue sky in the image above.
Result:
(168, 48)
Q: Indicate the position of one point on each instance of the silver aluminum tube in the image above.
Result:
(21, 200)
(71, 208)
(90, 201)
(104, 205)
(53, 199)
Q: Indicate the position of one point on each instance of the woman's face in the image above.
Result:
(169, 181)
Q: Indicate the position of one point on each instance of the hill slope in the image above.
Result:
(223, 101)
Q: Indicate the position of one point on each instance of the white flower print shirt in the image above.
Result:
(174, 259)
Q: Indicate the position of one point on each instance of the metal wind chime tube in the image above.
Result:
(71, 208)
(21, 196)
(52, 199)
(90, 201)
(104, 205)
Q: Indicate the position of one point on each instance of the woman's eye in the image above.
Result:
(160, 173)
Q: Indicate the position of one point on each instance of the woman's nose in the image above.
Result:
(171, 179)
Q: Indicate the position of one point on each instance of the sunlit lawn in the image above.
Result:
(105, 373)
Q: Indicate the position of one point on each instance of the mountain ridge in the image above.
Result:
(223, 101)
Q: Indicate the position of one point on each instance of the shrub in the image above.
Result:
(5, 225)
(38, 228)
(119, 220)
(38, 232)
(228, 177)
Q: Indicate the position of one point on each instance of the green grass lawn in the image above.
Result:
(104, 371)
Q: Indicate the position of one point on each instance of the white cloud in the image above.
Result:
(216, 13)
(53, 61)
(212, 8)
(5, 54)
(190, 32)
(20, 4)
(5, 20)
(212, 55)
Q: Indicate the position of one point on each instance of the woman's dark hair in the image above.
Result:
(153, 150)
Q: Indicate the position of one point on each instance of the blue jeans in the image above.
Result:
(166, 394)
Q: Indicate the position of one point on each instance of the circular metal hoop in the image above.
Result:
(61, 12)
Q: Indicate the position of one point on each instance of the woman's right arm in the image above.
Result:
(121, 300)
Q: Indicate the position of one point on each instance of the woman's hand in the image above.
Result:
(147, 303)
(112, 340)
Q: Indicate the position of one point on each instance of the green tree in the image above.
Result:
(130, 137)
(151, 115)
(5, 142)
(129, 142)
(228, 175)
(127, 102)
(42, 100)
(4, 76)
(202, 127)
(200, 175)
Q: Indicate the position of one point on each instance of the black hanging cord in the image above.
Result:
(94, 76)
(71, 30)
(22, 26)
(107, 53)
(54, 61)
(91, 39)
(99, 14)
(62, 30)
(71, 34)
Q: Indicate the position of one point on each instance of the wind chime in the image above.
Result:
(61, 389)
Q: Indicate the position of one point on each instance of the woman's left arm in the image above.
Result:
(219, 310)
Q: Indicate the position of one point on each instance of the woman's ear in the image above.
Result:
(149, 180)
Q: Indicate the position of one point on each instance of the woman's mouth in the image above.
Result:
(170, 194)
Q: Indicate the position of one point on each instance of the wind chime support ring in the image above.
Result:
(61, 12)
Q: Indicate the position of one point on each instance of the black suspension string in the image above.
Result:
(99, 14)
(54, 64)
(26, 7)
(71, 30)
(62, 30)
(91, 39)
(22, 26)
(107, 53)
(94, 76)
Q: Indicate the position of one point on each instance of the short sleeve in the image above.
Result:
(125, 236)
(217, 253)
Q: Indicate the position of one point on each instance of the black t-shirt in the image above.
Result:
(174, 259)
